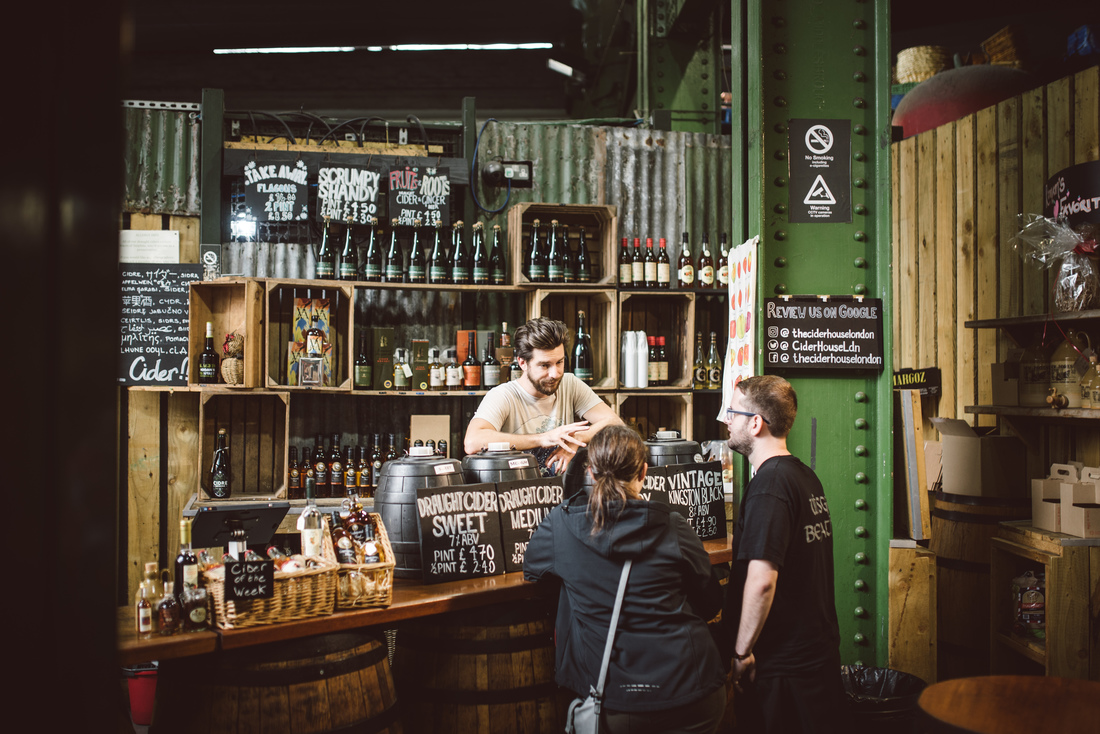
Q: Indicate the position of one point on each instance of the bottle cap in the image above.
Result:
(667, 435)
(151, 567)
(498, 446)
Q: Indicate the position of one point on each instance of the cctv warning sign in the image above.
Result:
(819, 154)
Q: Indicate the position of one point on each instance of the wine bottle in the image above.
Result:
(364, 367)
(349, 256)
(320, 468)
(293, 476)
(377, 458)
(437, 375)
(637, 265)
(394, 265)
(649, 265)
(626, 277)
(453, 370)
(220, 483)
(351, 481)
(208, 359)
(460, 259)
(537, 259)
(498, 273)
(584, 265)
(391, 450)
(342, 541)
(664, 267)
(685, 266)
(569, 264)
(471, 368)
(651, 361)
(324, 267)
(187, 563)
(583, 366)
(662, 362)
(335, 468)
(168, 611)
(555, 265)
(514, 370)
(372, 259)
(479, 261)
(438, 271)
(310, 526)
(363, 474)
(401, 371)
(305, 468)
(417, 270)
(490, 365)
(723, 269)
(714, 364)
(705, 267)
(699, 366)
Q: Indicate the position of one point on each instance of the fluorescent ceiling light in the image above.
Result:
(399, 47)
(287, 50)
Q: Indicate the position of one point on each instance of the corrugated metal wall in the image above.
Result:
(161, 162)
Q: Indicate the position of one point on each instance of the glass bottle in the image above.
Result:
(651, 363)
(514, 370)
(490, 365)
(391, 450)
(699, 366)
(356, 523)
(555, 265)
(349, 256)
(471, 368)
(351, 481)
(438, 272)
(363, 474)
(584, 265)
(208, 358)
(168, 611)
(417, 271)
(335, 468)
(364, 368)
(442, 447)
(342, 541)
(372, 259)
(401, 370)
(626, 277)
(706, 264)
(187, 563)
(505, 335)
(315, 339)
(714, 364)
(220, 482)
(1088, 381)
(724, 263)
(685, 266)
(583, 366)
(320, 468)
(309, 525)
(437, 375)
(664, 267)
(637, 265)
(453, 370)
(195, 609)
(460, 258)
(324, 267)
(1064, 377)
(569, 264)
(479, 261)
(498, 273)
(536, 258)
(293, 476)
(662, 362)
(649, 265)
(377, 458)
(394, 265)
(283, 562)
(145, 599)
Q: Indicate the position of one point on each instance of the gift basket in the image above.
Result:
(309, 590)
(368, 581)
(1050, 243)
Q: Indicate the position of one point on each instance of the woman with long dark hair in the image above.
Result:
(665, 673)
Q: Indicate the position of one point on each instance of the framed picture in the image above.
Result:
(310, 372)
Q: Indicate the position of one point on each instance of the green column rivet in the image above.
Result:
(780, 208)
(861, 477)
(780, 289)
(859, 663)
(859, 236)
(779, 22)
(860, 397)
(861, 424)
(660, 105)
(859, 24)
(859, 76)
(781, 155)
(858, 638)
(779, 75)
(780, 181)
(780, 262)
(860, 262)
(780, 234)
(860, 129)
(860, 208)
(859, 51)
(705, 105)
(704, 75)
(861, 450)
(860, 155)
(660, 89)
(703, 61)
(780, 102)
(705, 90)
(859, 612)
(861, 504)
(779, 48)
(859, 183)
(860, 585)
(859, 102)
(860, 289)
(861, 557)
(780, 128)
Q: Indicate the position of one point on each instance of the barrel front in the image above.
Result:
(666, 453)
(395, 501)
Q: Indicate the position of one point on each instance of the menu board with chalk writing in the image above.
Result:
(459, 532)
(823, 332)
(153, 322)
(693, 490)
(523, 506)
(246, 580)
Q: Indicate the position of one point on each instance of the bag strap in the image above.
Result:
(598, 692)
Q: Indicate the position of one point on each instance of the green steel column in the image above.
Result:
(817, 60)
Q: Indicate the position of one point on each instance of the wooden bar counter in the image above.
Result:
(411, 599)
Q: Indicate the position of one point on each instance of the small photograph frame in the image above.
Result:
(310, 372)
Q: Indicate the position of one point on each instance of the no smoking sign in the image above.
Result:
(819, 155)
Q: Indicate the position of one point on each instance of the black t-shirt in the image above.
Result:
(785, 519)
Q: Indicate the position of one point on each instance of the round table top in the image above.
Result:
(1007, 704)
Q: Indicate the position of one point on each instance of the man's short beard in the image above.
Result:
(540, 389)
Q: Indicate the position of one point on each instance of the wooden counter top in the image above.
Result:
(411, 599)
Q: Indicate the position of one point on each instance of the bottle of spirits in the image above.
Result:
(651, 361)
(664, 267)
(335, 468)
(293, 476)
(372, 259)
(514, 370)
(364, 367)
(637, 265)
(320, 468)
(662, 362)
(349, 256)
(315, 339)
(401, 370)
(283, 562)
(650, 264)
(351, 481)
(583, 364)
(714, 364)
(145, 599)
(685, 266)
(324, 267)
(362, 473)
(723, 269)
(355, 523)
(437, 376)
(460, 258)
(555, 265)
(377, 458)
(536, 257)
(220, 485)
(394, 265)
(569, 267)
(505, 335)
(626, 276)
(342, 541)
(195, 609)
(479, 261)
(168, 611)
(706, 265)
(699, 366)
(490, 366)
(498, 273)
(391, 450)
(584, 265)
(438, 271)
(453, 370)
(310, 526)
(305, 468)
(442, 446)
(208, 359)
(471, 368)
(187, 563)
(418, 272)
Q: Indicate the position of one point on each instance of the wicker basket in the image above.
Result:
(921, 62)
(298, 595)
(364, 584)
(233, 370)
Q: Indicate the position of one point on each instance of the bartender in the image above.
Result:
(547, 411)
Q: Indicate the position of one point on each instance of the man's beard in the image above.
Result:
(740, 442)
(546, 386)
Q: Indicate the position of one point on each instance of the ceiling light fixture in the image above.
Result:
(287, 50)
(398, 47)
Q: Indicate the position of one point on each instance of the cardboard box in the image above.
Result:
(1046, 497)
(1081, 505)
(981, 465)
(1006, 383)
(933, 464)
(434, 427)
(382, 348)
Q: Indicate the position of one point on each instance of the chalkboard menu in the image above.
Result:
(245, 580)
(693, 490)
(523, 505)
(153, 322)
(345, 191)
(459, 532)
(276, 192)
(823, 332)
(420, 192)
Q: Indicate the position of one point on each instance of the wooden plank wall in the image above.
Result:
(956, 194)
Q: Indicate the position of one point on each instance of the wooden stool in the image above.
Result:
(1011, 704)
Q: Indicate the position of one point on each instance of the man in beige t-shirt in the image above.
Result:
(547, 411)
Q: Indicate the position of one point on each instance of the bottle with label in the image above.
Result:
(342, 541)
(649, 265)
(372, 259)
(282, 561)
(536, 257)
(471, 368)
(320, 468)
(685, 266)
(195, 609)
(626, 277)
(145, 599)
(637, 265)
(305, 468)
(324, 266)
(309, 525)
(664, 267)
(208, 359)
(583, 363)
(168, 611)
(418, 271)
(335, 468)
(187, 563)
(363, 473)
(662, 362)
(394, 266)
(1064, 377)
(479, 261)
(569, 268)
(498, 263)
(315, 339)
(220, 486)
(705, 267)
(439, 272)
(460, 258)
(437, 375)
(349, 256)
(364, 367)
(651, 365)
(453, 370)
(583, 263)
(555, 264)
(714, 364)
(1088, 381)
(723, 271)
(401, 370)
(699, 366)
(351, 481)
(293, 476)
(490, 365)
(391, 450)
(377, 458)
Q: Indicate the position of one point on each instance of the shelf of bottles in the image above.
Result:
(598, 310)
(661, 316)
(656, 265)
(251, 455)
(562, 245)
(218, 308)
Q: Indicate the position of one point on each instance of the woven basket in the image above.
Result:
(921, 62)
(298, 595)
(233, 370)
(363, 585)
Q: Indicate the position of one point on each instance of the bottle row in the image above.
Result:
(552, 259)
(653, 270)
(421, 367)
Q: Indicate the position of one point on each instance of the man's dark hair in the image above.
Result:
(773, 398)
(541, 333)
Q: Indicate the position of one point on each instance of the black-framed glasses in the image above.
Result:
(731, 412)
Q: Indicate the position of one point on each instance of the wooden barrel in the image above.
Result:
(328, 683)
(962, 526)
(459, 672)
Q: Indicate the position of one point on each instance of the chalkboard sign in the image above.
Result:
(420, 192)
(693, 490)
(523, 505)
(276, 192)
(345, 191)
(246, 580)
(823, 332)
(153, 322)
(459, 532)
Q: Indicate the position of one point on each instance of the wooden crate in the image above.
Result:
(257, 424)
(601, 225)
(279, 310)
(651, 412)
(233, 305)
(599, 307)
(670, 314)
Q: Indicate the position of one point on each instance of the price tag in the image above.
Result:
(459, 532)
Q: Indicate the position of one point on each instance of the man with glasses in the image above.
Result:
(780, 615)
